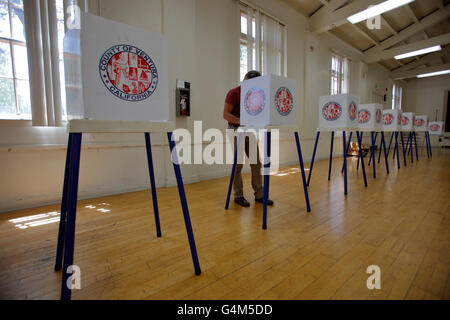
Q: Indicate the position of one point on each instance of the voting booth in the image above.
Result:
(392, 120)
(408, 121)
(268, 101)
(338, 112)
(115, 72)
(116, 82)
(421, 123)
(370, 117)
(436, 128)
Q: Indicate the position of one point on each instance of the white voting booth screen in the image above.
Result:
(268, 101)
(370, 116)
(408, 121)
(436, 128)
(115, 72)
(392, 120)
(338, 112)
(421, 123)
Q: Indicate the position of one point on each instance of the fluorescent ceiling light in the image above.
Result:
(432, 74)
(377, 10)
(418, 52)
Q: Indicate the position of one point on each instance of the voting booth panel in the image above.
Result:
(370, 117)
(436, 128)
(408, 121)
(268, 100)
(338, 112)
(421, 123)
(392, 120)
(115, 72)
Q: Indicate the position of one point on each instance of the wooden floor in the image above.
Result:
(401, 223)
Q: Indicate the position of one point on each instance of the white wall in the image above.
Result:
(204, 50)
(426, 96)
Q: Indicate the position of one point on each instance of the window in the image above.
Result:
(262, 43)
(14, 82)
(396, 97)
(15, 102)
(339, 74)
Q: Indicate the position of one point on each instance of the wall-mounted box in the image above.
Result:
(115, 72)
(407, 121)
(370, 117)
(392, 120)
(268, 100)
(436, 128)
(421, 123)
(338, 112)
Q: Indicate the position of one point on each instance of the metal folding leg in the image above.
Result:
(313, 157)
(390, 143)
(426, 144)
(302, 168)
(345, 165)
(148, 145)
(403, 147)
(346, 149)
(372, 155)
(187, 219)
(396, 149)
(266, 176)
(361, 156)
(429, 144)
(233, 171)
(383, 142)
(63, 215)
(331, 156)
(415, 142)
(72, 196)
(411, 147)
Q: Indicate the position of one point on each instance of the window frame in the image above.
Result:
(341, 76)
(397, 92)
(12, 42)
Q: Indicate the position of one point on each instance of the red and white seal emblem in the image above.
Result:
(331, 111)
(254, 101)
(352, 111)
(387, 119)
(419, 122)
(364, 116)
(378, 116)
(435, 127)
(284, 101)
(405, 121)
(128, 72)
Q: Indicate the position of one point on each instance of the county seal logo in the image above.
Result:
(435, 127)
(331, 111)
(254, 101)
(128, 73)
(284, 101)
(387, 119)
(352, 111)
(419, 122)
(378, 116)
(405, 121)
(364, 116)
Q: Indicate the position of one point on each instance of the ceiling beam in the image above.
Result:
(416, 72)
(328, 17)
(391, 53)
(425, 23)
(423, 61)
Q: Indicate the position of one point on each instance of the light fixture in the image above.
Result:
(377, 10)
(433, 74)
(418, 52)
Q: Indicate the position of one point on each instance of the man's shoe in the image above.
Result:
(242, 202)
(269, 202)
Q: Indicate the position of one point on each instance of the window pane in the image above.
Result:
(23, 97)
(7, 101)
(243, 24)
(4, 21)
(243, 62)
(21, 62)
(18, 23)
(5, 60)
(18, 3)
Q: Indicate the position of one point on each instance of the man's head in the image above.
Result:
(252, 74)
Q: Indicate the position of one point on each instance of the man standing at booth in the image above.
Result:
(231, 113)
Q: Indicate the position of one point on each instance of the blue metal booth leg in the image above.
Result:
(415, 142)
(390, 144)
(266, 170)
(302, 168)
(361, 156)
(426, 144)
(345, 164)
(373, 154)
(313, 157)
(233, 170)
(411, 147)
(331, 156)
(72, 195)
(63, 215)
(187, 219)
(403, 147)
(374, 142)
(385, 153)
(360, 134)
(346, 150)
(396, 149)
(151, 172)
